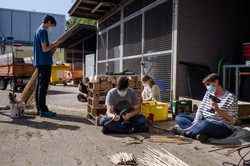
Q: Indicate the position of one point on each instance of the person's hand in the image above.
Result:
(187, 129)
(85, 95)
(214, 105)
(116, 117)
(55, 43)
(126, 117)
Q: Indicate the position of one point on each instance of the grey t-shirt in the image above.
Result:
(119, 102)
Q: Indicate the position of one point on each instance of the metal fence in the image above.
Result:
(140, 41)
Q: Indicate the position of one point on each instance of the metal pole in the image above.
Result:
(237, 82)
(224, 77)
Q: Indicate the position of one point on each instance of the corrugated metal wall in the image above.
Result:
(144, 37)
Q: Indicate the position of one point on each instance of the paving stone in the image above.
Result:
(69, 139)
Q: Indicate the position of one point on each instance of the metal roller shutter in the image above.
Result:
(159, 68)
(113, 66)
(101, 67)
(158, 28)
(135, 6)
(114, 43)
(102, 47)
(133, 36)
(133, 65)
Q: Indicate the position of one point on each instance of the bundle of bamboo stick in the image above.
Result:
(123, 159)
(154, 157)
(28, 94)
(168, 139)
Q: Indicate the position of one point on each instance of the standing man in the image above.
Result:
(43, 61)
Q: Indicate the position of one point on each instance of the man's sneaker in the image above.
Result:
(142, 128)
(176, 130)
(202, 138)
(47, 113)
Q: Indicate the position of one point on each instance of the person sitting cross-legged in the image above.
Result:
(212, 120)
(118, 100)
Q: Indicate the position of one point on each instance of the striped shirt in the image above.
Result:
(228, 104)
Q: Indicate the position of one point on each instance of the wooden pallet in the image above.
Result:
(103, 85)
(134, 84)
(96, 102)
(97, 94)
(95, 111)
(111, 78)
(94, 119)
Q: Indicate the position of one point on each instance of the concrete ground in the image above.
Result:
(70, 139)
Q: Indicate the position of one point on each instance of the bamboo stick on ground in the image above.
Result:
(123, 159)
(168, 139)
(154, 157)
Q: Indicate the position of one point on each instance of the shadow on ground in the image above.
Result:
(56, 92)
(45, 124)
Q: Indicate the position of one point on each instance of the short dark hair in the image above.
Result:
(211, 78)
(122, 82)
(86, 79)
(48, 18)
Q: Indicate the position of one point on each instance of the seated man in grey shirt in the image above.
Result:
(117, 100)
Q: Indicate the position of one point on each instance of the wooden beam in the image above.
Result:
(80, 41)
(89, 9)
(74, 7)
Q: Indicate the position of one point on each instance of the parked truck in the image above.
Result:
(14, 71)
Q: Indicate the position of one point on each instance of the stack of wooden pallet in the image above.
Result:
(98, 89)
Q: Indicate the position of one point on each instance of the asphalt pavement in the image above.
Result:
(70, 139)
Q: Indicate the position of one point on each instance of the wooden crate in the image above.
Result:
(97, 94)
(94, 119)
(243, 111)
(103, 85)
(96, 102)
(95, 111)
(134, 84)
(243, 108)
(111, 78)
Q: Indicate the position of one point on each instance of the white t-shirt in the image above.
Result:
(147, 95)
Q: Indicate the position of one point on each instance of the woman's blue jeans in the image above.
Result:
(213, 129)
(119, 127)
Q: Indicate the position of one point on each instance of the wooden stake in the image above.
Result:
(108, 122)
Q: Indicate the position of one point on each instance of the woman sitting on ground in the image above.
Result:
(212, 120)
(82, 90)
(151, 89)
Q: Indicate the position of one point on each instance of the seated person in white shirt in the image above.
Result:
(151, 89)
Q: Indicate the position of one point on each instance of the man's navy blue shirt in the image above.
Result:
(41, 58)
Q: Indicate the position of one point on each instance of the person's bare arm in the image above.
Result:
(136, 110)
(79, 91)
(110, 110)
(223, 114)
(47, 48)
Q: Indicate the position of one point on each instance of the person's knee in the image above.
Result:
(103, 120)
(178, 118)
(140, 118)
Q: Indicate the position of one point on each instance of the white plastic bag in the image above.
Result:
(16, 110)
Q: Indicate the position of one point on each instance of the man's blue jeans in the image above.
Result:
(213, 129)
(119, 127)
